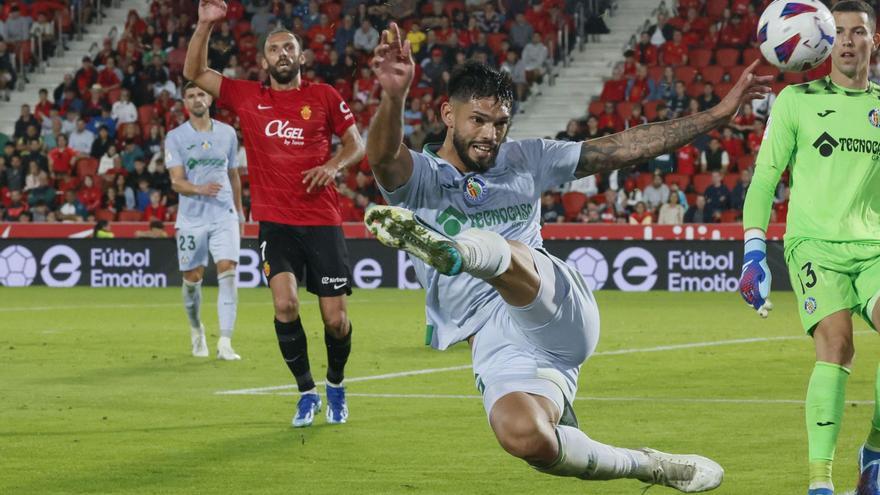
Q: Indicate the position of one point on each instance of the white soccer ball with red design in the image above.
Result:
(796, 35)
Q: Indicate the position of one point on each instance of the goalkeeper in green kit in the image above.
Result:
(828, 133)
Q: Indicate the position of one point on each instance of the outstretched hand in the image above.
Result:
(393, 63)
(749, 87)
(212, 10)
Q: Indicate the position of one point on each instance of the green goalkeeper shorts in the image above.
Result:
(832, 276)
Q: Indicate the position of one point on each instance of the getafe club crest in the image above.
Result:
(874, 117)
(810, 305)
(306, 112)
(206, 145)
(475, 191)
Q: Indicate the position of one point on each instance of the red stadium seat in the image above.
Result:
(86, 166)
(145, 115)
(695, 89)
(113, 95)
(104, 214)
(750, 55)
(596, 107)
(624, 109)
(700, 57)
(723, 88)
(730, 180)
(649, 109)
(777, 87)
(702, 181)
(573, 202)
(130, 216)
(644, 180)
(681, 179)
(766, 70)
(685, 73)
(793, 77)
(713, 74)
(714, 8)
(241, 27)
(727, 57)
(730, 216)
(744, 162)
(691, 198)
(655, 72)
(736, 71)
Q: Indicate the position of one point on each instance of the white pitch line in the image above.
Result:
(145, 305)
(662, 348)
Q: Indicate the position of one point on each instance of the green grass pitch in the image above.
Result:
(98, 394)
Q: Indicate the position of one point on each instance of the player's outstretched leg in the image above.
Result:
(524, 426)
(480, 253)
(227, 308)
(192, 302)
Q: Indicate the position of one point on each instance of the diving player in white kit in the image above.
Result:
(201, 158)
(467, 211)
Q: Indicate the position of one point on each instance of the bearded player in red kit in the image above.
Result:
(287, 127)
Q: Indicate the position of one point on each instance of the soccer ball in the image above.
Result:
(796, 35)
(18, 267)
(591, 265)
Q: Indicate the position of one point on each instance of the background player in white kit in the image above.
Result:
(470, 216)
(201, 158)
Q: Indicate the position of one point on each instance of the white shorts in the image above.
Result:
(222, 239)
(539, 348)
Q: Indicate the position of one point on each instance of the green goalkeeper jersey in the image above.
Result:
(829, 136)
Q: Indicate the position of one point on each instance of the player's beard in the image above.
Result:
(199, 112)
(284, 76)
(462, 147)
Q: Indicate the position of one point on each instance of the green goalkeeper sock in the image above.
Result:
(874, 436)
(825, 401)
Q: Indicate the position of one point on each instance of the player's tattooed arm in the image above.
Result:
(641, 143)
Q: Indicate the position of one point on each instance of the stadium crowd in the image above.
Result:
(681, 64)
(91, 148)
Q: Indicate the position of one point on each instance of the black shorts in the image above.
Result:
(317, 254)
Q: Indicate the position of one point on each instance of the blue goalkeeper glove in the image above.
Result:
(754, 283)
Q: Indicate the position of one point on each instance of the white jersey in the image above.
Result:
(206, 157)
(505, 199)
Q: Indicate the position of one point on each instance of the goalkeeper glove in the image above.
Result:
(754, 283)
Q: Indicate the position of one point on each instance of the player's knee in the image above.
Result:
(286, 308)
(526, 437)
(835, 347)
(336, 324)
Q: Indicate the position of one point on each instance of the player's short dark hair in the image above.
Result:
(277, 30)
(858, 6)
(472, 80)
(186, 86)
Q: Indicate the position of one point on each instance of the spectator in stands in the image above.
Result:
(698, 212)
(656, 192)
(635, 117)
(263, 20)
(43, 106)
(34, 152)
(708, 99)
(124, 192)
(155, 139)
(551, 210)
(92, 107)
(39, 212)
(645, 52)
(110, 77)
(156, 231)
(534, 58)
(682, 198)
(142, 194)
(61, 157)
(733, 34)
(86, 76)
(72, 209)
(131, 153)
(18, 27)
(70, 103)
(674, 52)
(738, 195)
(103, 120)
(32, 179)
(81, 139)
(101, 143)
(520, 32)
(571, 132)
(731, 143)
(641, 215)
(25, 119)
(102, 230)
(488, 19)
(662, 31)
(517, 72)
(412, 116)
(693, 107)
(366, 38)
(15, 174)
(614, 89)
(717, 195)
(433, 69)
(8, 75)
(124, 111)
(714, 158)
(90, 194)
(744, 122)
(640, 88)
(162, 84)
(155, 210)
(16, 206)
(345, 35)
(609, 120)
(592, 130)
(671, 212)
(680, 101)
(480, 46)
(754, 139)
(49, 123)
(160, 179)
(109, 160)
(137, 84)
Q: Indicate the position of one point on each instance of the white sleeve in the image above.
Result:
(424, 180)
(173, 157)
(551, 162)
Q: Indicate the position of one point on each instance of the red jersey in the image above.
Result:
(286, 133)
(686, 156)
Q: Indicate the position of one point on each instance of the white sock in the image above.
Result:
(583, 458)
(227, 302)
(192, 302)
(485, 254)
